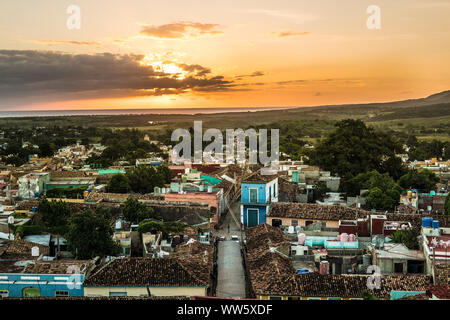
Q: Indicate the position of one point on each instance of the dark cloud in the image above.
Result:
(45, 76)
(180, 30)
(69, 42)
(254, 74)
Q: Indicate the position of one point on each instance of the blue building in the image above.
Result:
(44, 279)
(257, 193)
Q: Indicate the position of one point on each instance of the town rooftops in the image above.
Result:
(439, 291)
(272, 273)
(56, 267)
(338, 212)
(140, 272)
(258, 177)
(398, 251)
(20, 248)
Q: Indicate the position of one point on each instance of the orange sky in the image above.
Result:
(209, 53)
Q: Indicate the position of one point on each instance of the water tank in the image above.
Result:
(432, 193)
(426, 222)
(35, 252)
(435, 224)
(302, 271)
(209, 189)
(367, 259)
(324, 267)
(34, 209)
(301, 238)
(344, 236)
(351, 237)
(291, 229)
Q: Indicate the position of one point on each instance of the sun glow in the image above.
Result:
(165, 67)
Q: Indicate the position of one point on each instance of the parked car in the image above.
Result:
(222, 238)
(234, 238)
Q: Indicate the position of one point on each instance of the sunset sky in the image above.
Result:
(211, 53)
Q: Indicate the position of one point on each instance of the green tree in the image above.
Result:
(119, 183)
(354, 148)
(136, 211)
(144, 179)
(90, 234)
(407, 238)
(153, 226)
(367, 295)
(383, 193)
(54, 215)
(423, 180)
(320, 189)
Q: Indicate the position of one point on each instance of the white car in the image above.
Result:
(235, 238)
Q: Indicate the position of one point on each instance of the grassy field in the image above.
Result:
(427, 118)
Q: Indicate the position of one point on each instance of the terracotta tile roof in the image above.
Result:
(442, 273)
(440, 291)
(67, 174)
(120, 197)
(55, 267)
(271, 272)
(22, 249)
(142, 272)
(337, 212)
(192, 257)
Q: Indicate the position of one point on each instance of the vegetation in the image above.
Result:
(119, 183)
(154, 226)
(136, 211)
(407, 238)
(69, 193)
(54, 215)
(383, 193)
(90, 234)
(141, 179)
(367, 295)
(423, 180)
(354, 148)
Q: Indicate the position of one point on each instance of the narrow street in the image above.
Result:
(230, 268)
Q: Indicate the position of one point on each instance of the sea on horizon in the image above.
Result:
(187, 111)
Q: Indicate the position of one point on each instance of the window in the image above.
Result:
(275, 298)
(253, 195)
(61, 293)
(398, 267)
(294, 223)
(276, 222)
(4, 293)
(117, 294)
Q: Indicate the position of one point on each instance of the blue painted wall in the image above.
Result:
(46, 283)
(245, 193)
(261, 215)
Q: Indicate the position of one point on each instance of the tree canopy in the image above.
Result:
(54, 215)
(423, 180)
(354, 148)
(90, 234)
(383, 192)
(136, 211)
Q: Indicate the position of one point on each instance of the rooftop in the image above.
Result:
(140, 272)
